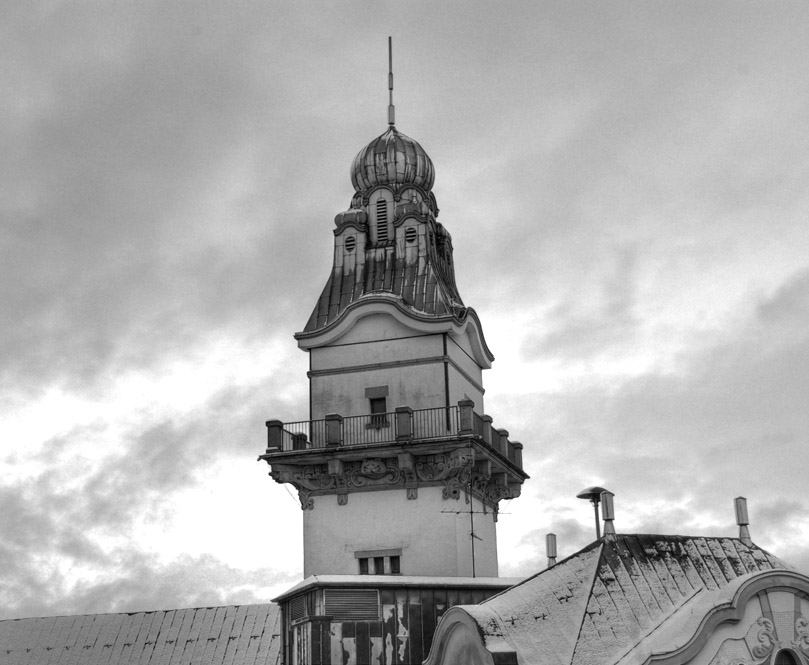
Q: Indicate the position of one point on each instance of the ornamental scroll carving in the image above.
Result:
(454, 472)
(766, 636)
(802, 635)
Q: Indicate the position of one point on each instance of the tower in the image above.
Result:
(398, 470)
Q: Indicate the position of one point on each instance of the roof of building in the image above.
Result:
(418, 288)
(344, 581)
(237, 634)
(604, 601)
(392, 158)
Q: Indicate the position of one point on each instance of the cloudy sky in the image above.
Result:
(625, 184)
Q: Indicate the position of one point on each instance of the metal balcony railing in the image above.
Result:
(402, 425)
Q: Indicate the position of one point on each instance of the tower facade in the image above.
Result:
(398, 470)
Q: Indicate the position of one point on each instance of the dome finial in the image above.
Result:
(391, 119)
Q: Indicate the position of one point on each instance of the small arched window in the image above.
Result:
(351, 243)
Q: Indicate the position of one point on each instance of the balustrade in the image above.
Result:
(402, 425)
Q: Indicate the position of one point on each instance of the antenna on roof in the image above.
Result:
(391, 114)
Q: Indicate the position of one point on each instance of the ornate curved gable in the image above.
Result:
(762, 618)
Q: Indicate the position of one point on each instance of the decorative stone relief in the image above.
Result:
(441, 467)
(311, 477)
(305, 497)
(765, 637)
(455, 472)
(802, 635)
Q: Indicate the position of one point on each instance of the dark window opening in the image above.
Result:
(379, 408)
(379, 565)
(379, 562)
(784, 657)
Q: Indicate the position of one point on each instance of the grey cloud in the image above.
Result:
(139, 582)
(99, 249)
(789, 305)
(44, 521)
(571, 535)
(572, 330)
(676, 447)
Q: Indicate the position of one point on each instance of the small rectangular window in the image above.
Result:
(379, 408)
(379, 562)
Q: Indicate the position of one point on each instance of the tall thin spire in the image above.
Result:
(391, 114)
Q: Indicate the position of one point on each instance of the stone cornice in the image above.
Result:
(455, 471)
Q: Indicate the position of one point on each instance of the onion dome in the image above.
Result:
(392, 159)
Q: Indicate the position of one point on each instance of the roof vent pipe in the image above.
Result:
(550, 548)
(593, 495)
(740, 503)
(608, 514)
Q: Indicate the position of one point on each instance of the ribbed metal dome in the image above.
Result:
(389, 159)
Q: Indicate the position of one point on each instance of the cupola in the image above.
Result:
(392, 159)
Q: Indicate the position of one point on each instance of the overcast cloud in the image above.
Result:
(625, 184)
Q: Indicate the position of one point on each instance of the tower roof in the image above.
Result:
(392, 158)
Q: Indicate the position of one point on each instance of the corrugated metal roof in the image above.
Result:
(237, 634)
(596, 605)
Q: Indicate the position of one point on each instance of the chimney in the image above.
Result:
(740, 503)
(608, 514)
(550, 548)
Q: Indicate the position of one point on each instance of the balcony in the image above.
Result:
(402, 426)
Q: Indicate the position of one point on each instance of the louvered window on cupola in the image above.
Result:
(351, 604)
(381, 220)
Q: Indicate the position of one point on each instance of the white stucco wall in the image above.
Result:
(433, 542)
(418, 386)
(380, 351)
